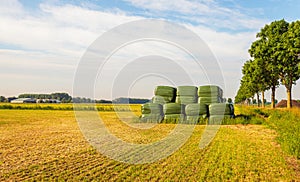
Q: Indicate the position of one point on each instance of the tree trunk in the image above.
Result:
(289, 97)
(273, 97)
(263, 98)
(257, 94)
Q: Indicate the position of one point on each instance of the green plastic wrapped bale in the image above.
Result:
(210, 91)
(152, 108)
(152, 118)
(186, 99)
(197, 119)
(208, 88)
(173, 108)
(174, 118)
(162, 99)
(196, 109)
(209, 100)
(219, 119)
(221, 109)
(187, 91)
(211, 94)
(165, 91)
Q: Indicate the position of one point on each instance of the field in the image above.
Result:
(37, 144)
(70, 107)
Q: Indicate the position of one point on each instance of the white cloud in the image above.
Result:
(181, 6)
(60, 30)
(11, 7)
(47, 44)
(209, 13)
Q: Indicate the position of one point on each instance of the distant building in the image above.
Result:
(283, 103)
(48, 101)
(23, 100)
(53, 101)
(30, 100)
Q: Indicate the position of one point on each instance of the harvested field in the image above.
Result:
(48, 145)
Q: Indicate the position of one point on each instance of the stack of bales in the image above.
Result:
(209, 94)
(220, 111)
(174, 113)
(164, 94)
(196, 112)
(186, 95)
(165, 107)
(152, 112)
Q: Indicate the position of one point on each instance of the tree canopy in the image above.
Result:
(276, 59)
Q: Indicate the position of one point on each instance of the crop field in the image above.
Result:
(70, 107)
(40, 144)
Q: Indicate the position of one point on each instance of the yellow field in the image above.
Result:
(48, 145)
(69, 106)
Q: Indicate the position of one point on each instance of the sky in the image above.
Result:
(43, 41)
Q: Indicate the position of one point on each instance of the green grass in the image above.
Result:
(47, 145)
(285, 122)
(70, 107)
(288, 127)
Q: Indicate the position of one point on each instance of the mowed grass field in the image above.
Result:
(47, 145)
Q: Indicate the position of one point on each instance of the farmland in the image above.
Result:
(40, 144)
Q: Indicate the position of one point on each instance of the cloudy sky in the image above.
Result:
(43, 41)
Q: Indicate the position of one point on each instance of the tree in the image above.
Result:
(59, 96)
(9, 99)
(276, 53)
(288, 52)
(254, 78)
(2, 99)
(265, 50)
(244, 93)
(254, 101)
(262, 77)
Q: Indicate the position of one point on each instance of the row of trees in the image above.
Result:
(8, 99)
(124, 100)
(63, 97)
(66, 98)
(88, 100)
(275, 60)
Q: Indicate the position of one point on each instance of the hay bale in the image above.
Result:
(187, 91)
(221, 109)
(165, 91)
(173, 108)
(209, 100)
(210, 91)
(162, 99)
(152, 108)
(196, 109)
(186, 99)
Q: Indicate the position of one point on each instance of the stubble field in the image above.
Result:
(48, 145)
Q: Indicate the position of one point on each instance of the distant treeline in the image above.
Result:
(66, 98)
(63, 97)
(123, 100)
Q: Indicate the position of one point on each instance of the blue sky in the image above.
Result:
(42, 41)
